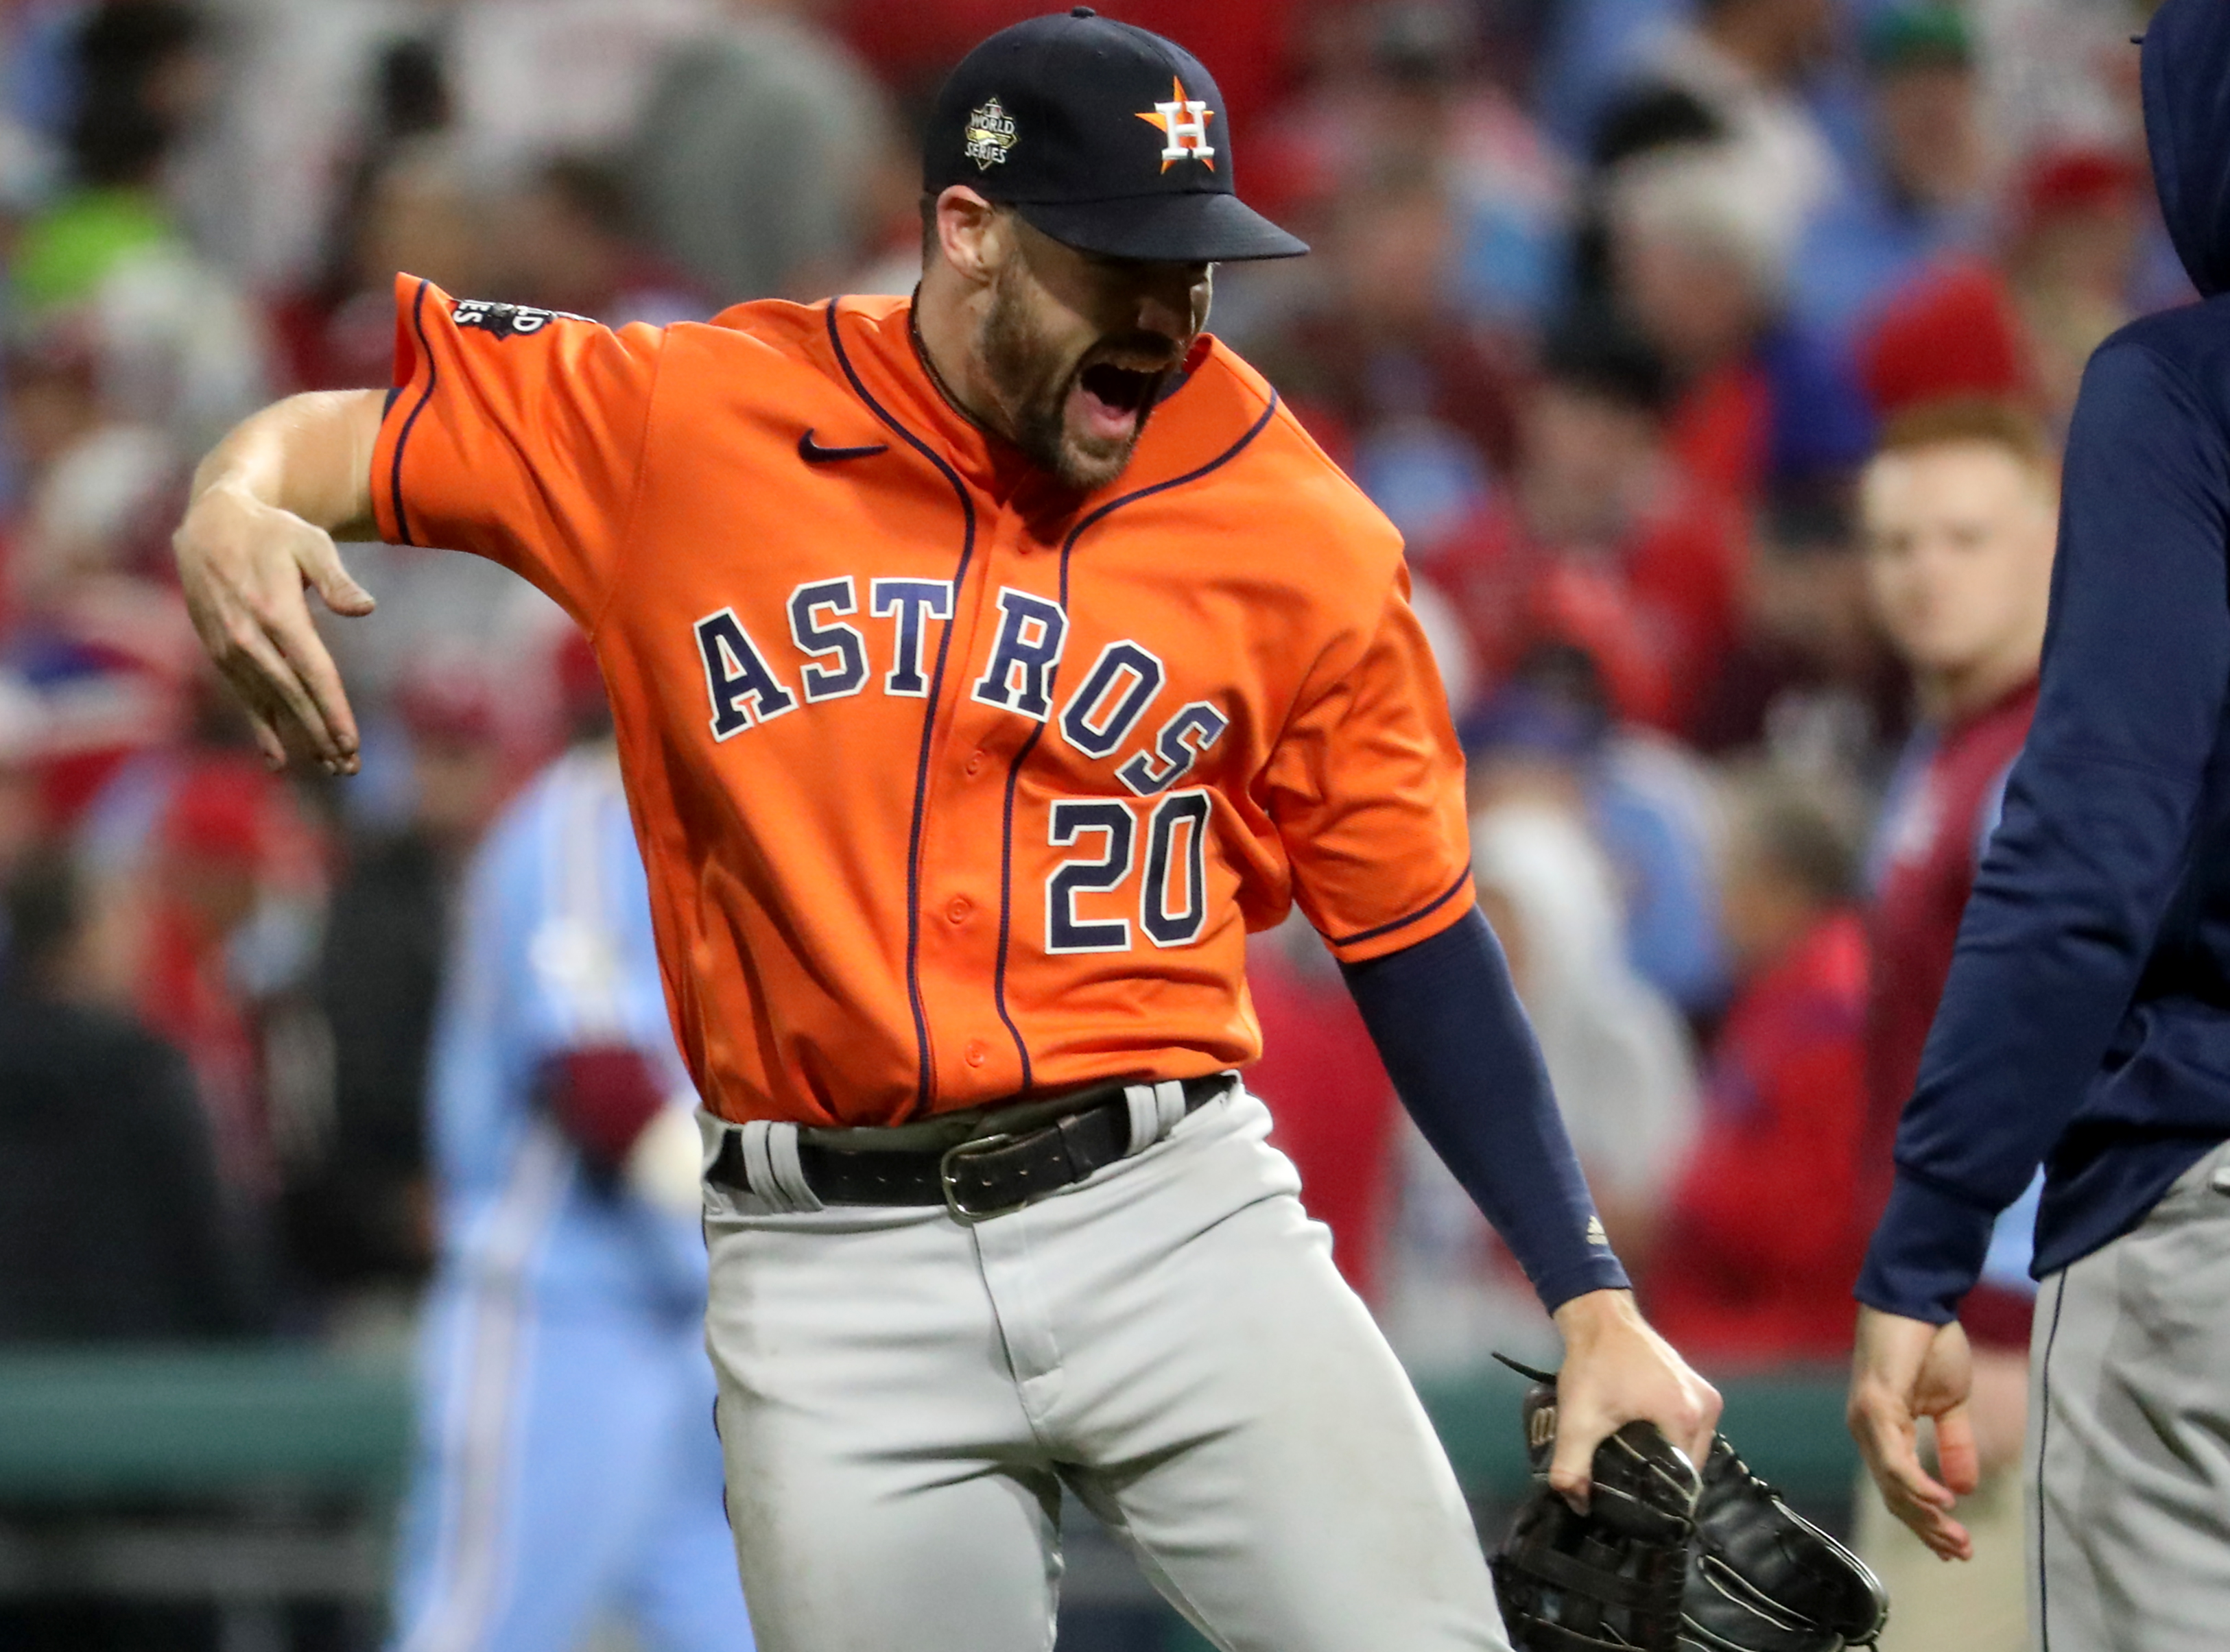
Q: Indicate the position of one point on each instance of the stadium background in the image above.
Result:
(1608, 299)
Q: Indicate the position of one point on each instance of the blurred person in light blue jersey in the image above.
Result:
(1923, 193)
(567, 1469)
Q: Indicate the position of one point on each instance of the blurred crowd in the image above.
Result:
(1611, 306)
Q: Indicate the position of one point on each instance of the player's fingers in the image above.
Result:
(266, 740)
(1698, 1444)
(1917, 1501)
(1958, 1462)
(1889, 1442)
(1944, 1537)
(1908, 1482)
(271, 684)
(266, 712)
(297, 639)
(320, 561)
(1571, 1468)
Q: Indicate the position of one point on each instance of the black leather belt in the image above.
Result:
(982, 1175)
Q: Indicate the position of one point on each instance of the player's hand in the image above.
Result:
(1997, 1408)
(1616, 1371)
(1902, 1370)
(245, 566)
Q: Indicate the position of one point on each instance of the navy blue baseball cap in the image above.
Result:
(1107, 137)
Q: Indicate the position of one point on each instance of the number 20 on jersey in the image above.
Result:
(1106, 707)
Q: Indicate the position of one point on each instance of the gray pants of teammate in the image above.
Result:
(904, 1396)
(2128, 1435)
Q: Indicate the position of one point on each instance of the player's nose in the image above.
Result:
(1162, 303)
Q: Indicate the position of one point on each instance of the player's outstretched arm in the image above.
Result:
(258, 533)
(1455, 1038)
(1902, 1370)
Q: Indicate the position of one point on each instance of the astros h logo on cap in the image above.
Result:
(1185, 119)
(1104, 136)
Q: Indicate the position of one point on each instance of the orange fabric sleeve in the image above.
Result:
(1366, 788)
(517, 434)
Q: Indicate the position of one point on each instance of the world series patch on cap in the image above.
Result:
(1105, 137)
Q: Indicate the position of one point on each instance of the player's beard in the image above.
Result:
(1035, 381)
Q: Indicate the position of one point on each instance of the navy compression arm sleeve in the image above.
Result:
(1448, 1026)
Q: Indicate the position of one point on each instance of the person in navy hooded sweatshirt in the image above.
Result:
(2087, 1020)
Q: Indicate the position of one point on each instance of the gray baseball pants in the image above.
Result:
(903, 1398)
(2129, 1434)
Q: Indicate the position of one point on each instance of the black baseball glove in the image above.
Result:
(1609, 1581)
(1658, 1565)
(1766, 1579)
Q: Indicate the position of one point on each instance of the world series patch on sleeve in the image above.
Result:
(1668, 1560)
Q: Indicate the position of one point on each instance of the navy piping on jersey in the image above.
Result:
(1426, 911)
(426, 354)
(1006, 862)
(927, 1094)
(1053, 684)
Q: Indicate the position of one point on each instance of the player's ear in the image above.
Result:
(973, 234)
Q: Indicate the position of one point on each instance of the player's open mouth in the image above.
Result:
(1113, 399)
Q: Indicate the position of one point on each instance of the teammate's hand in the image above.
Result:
(1617, 1370)
(245, 565)
(1902, 1370)
(1997, 1408)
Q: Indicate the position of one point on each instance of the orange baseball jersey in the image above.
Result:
(952, 786)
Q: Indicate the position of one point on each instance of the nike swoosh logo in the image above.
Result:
(813, 453)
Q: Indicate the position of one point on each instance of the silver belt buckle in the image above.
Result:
(959, 1150)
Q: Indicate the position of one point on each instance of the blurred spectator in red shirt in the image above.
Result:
(416, 207)
(2019, 324)
(568, 242)
(1753, 1264)
(1807, 678)
(210, 856)
(1601, 540)
(1420, 402)
(382, 200)
(1959, 509)
(23, 738)
(209, 876)
(1699, 259)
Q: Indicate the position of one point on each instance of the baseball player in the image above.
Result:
(567, 1467)
(985, 665)
(2082, 1021)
